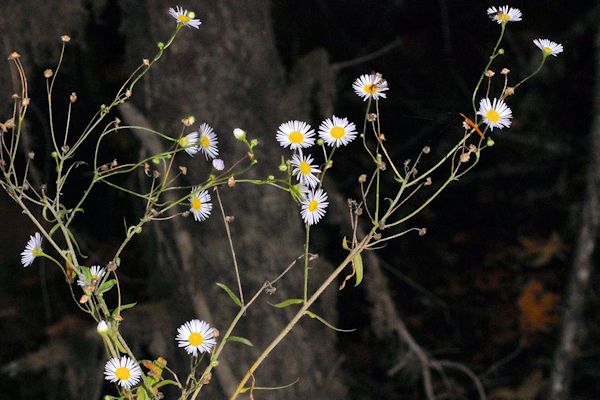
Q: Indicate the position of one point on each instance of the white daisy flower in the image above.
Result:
(96, 273)
(304, 170)
(32, 250)
(295, 135)
(185, 17)
(496, 114)
(200, 204)
(337, 131)
(548, 47)
(208, 142)
(124, 371)
(196, 337)
(313, 206)
(218, 164)
(189, 143)
(504, 14)
(370, 86)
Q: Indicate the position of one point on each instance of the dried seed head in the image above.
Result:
(10, 123)
(422, 231)
(183, 170)
(381, 137)
(26, 101)
(146, 62)
(509, 91)
(188, 120)
(505, 71)
(84, 299)
(229, 219)
(472, 148)
(48, 73)
(111, 266)
(14, 55)
(65, 148)
(118, 317)
(426, 150)
(489, 73)
(231, 182)
(362, 178)
(73, 97)
(465, 157)
(65, 38)
(206, 378)
(128, 93)
(371, 117)
(377, 236)
(156, 174)
(31, 155)
(428, 181)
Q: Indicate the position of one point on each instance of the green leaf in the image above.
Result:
(345, 244)
(358, 268)
(235, 299)
(327, 324)
(166, 382)
(117, 311)
(106, 286)
(288, 302)
(239, 339)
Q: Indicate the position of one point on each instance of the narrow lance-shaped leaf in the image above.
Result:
(233, 296)
(239, 339)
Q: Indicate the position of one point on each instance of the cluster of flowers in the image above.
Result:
(197, 337)
(495, 112)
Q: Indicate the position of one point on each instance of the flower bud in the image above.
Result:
(218, 164)
(239, 134)
(102, 328)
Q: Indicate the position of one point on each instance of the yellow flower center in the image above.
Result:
(122, 373)
(184, 142)
(37, 251)
(370, 88)
(305, 168)
(184, 19)
(296, 137)
(503, 17)
(313, 205)
(195, 339)
(547, 50)
(196, 204)
(338, 132)
(492, 116)
(204, 142)
(94, 277)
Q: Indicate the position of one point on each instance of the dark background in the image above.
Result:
(485, 287)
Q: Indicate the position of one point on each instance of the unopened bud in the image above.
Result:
(239, 134)
(102, 328)
(73, 97)
(188, 120)
(218, 164)
(65, 38)
(490, 142)
(500, 51)
(426, 150)
(362, 178)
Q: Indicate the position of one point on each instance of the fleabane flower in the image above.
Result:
(313, 206)
(196, 337)
(548, 47)
(304, 169)
(337, 132)
(239, 134)
(504, 14)
(370, 86)
(96, 273)
(200, 204)
(123, 371)
(32, 250)
(208, 142)
(495, 114)
(185, 17)
(295, 135)
(189, 143)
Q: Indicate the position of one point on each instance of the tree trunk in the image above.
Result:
(573, 323)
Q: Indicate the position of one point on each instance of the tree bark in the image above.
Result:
(573, 323)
